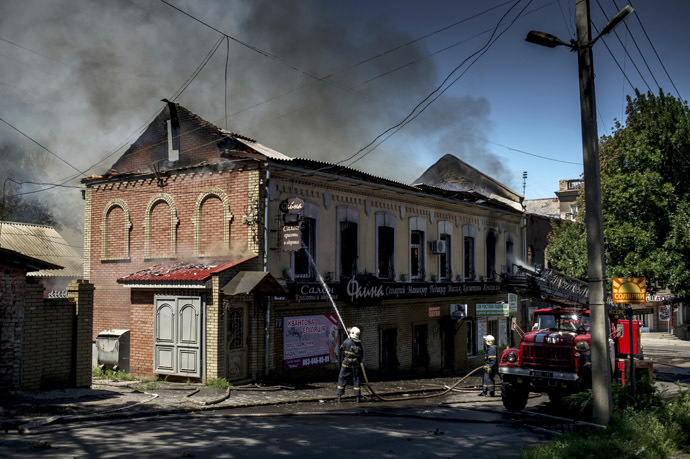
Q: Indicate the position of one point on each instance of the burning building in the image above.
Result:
(225, 258)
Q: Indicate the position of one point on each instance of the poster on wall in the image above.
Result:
(458, 311)
(502, 333)
(309, 341)
(664, 313)
(481, 330)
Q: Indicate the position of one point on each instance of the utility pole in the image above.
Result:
(601, 368)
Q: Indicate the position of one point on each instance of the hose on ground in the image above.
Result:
(415, 397)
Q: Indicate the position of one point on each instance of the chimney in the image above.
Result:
(173, 125)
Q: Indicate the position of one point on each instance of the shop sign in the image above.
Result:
(434, 311)
(309, 341)
(368, 290)
(629, 289)
(512, 303)
(492, 310)
(291, 231)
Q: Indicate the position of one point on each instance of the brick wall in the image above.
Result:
(183, 189)
(12, 294)
(56, 338)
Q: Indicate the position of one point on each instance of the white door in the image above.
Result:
(177, 336)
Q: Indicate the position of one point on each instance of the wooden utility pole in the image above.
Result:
(601, 367)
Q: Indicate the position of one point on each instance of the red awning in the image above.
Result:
(179, 273)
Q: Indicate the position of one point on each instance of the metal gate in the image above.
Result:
(177, 336)
(236, 341)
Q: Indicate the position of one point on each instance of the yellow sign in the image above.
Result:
(629, 289)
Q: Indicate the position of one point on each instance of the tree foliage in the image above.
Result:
(645, 199)
(14, 208)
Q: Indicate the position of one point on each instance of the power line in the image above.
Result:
(657, 54)
(40, 145)
(414, 113)
(632, 61)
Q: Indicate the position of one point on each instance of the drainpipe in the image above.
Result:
(268, 298)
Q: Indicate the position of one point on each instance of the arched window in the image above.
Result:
(115, 230)
(212, 218)
(161, 218)
(510, 252)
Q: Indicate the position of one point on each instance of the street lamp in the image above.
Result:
(601, 371)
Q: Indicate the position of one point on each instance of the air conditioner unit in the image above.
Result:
(438, 246)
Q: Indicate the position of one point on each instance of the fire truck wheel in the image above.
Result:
(514, 396)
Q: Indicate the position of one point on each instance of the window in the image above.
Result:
(420, 353)
(530, 255)
(348, 244)
(417, 255)
(211, 220)
(303, 267)
(510, 252)
(468, 236)
(385, 245)
(491, 255)
(444, 270)
(445, 230)
(471, 341)
(115, 231)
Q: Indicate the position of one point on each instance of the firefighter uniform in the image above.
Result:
(350, 368)
(490, 367)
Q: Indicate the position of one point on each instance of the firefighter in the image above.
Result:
(352, 358)
(584, 370)
(490, 367)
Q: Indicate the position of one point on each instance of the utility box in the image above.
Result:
(113, 349)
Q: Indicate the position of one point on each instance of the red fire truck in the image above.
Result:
(548, 360)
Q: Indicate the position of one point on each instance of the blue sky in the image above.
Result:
(319, 79)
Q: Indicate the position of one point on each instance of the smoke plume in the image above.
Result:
(80, 77)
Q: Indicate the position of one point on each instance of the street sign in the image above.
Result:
(629, 289)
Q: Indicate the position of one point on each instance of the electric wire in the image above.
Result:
(625, 49)
(440, 90)
(632, 36)
(655, 52)
(41, 145)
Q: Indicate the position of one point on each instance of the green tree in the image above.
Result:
(645, 199)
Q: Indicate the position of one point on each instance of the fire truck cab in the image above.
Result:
(548, 359)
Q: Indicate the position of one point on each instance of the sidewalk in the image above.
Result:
(106, 399)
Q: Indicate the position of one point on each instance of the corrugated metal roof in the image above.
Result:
(263, 149)
(189, 273)
(548, 207)
(44, 243)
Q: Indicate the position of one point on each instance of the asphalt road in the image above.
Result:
(422, 431)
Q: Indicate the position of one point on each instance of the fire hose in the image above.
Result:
(399, 399)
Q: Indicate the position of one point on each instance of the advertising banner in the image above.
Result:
(629, 289)
(309, 341)
(493, 310)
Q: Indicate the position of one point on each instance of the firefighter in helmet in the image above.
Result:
(490, 367)
(584, 357)
(350, 369)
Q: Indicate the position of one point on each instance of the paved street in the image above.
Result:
(172, 421)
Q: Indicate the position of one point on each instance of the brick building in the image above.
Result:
(220, 254)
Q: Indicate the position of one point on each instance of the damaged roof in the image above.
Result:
(43, 243)
(148, 155)
(179, 275)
